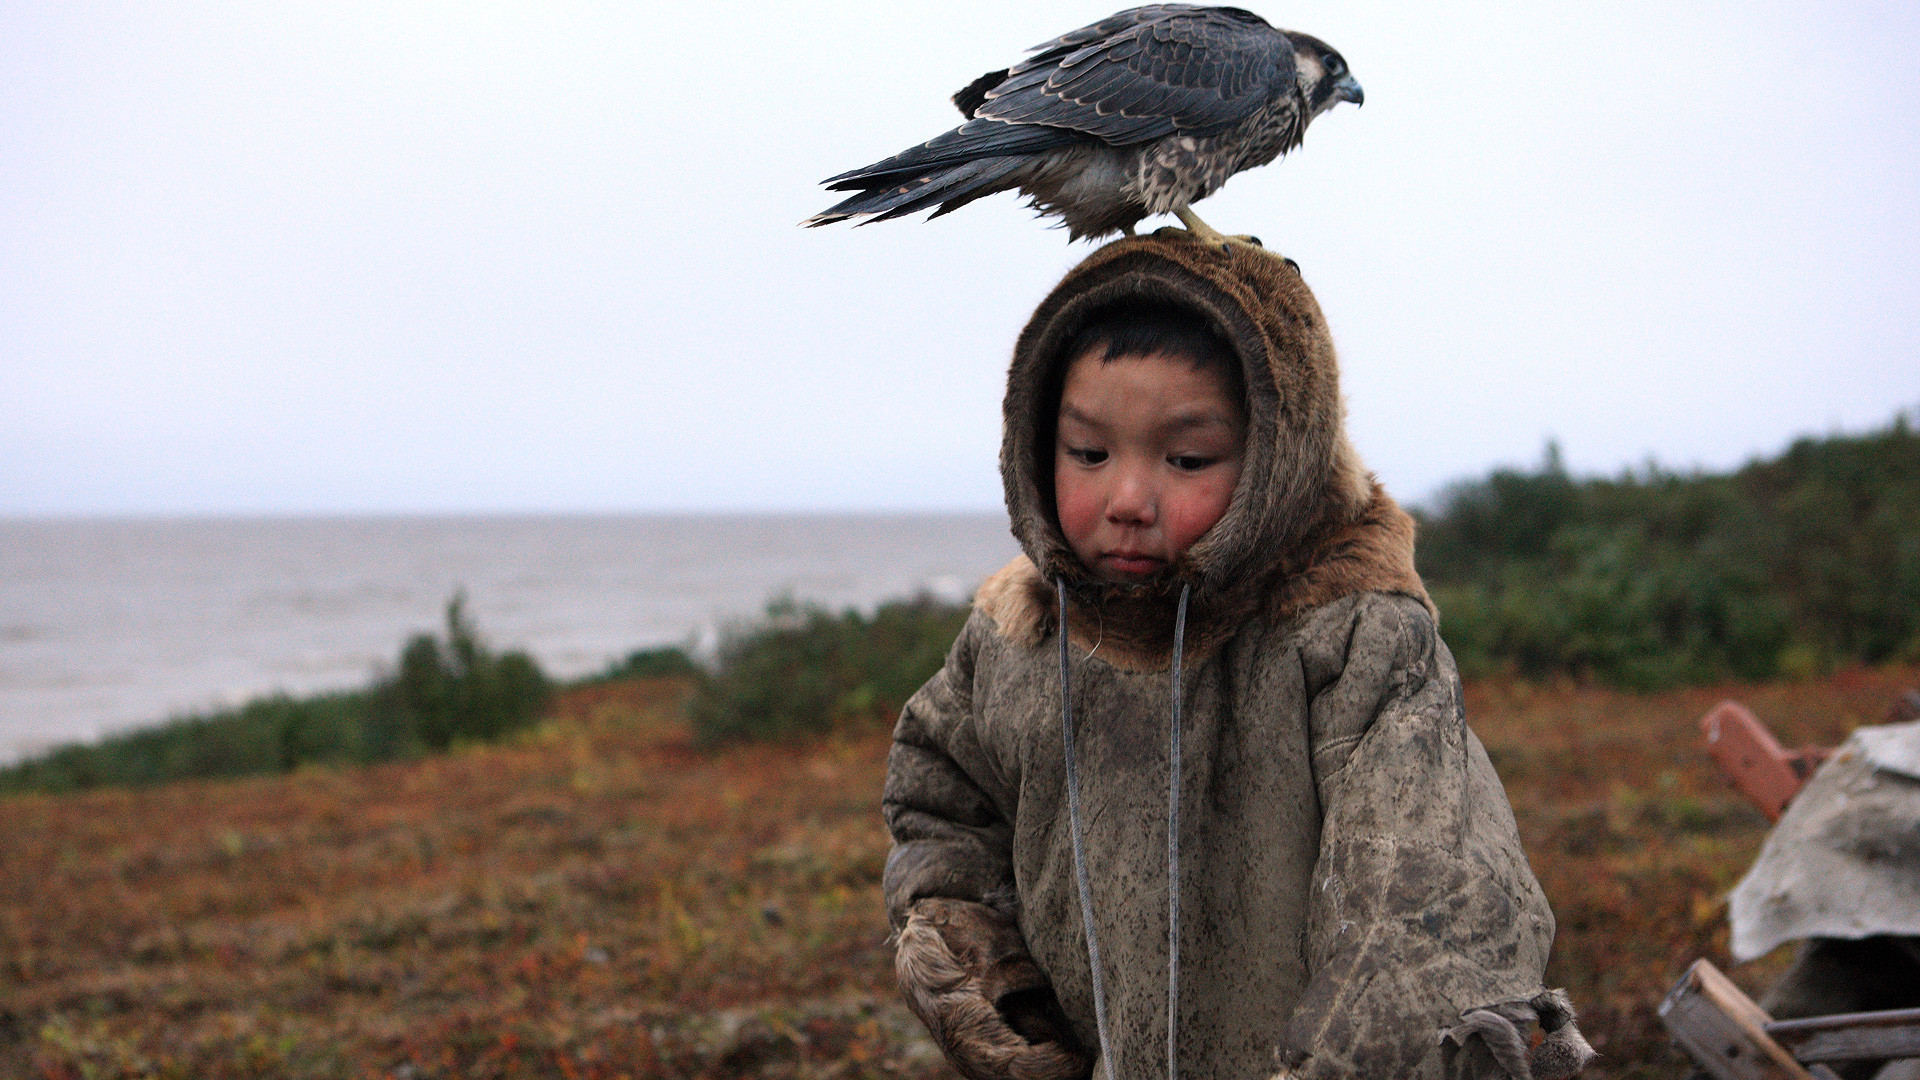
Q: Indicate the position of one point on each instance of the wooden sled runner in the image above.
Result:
(1729, 1037)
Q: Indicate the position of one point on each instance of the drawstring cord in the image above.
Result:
(1173, 849)
(1079, 854)
(1173, 843)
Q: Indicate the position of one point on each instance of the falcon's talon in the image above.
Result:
(1208, 238)
(1198, 229)
(1207, 234)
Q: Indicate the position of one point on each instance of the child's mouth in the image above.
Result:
(1131, 564)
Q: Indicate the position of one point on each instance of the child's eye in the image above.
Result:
(1086, 456)
(1191, 462)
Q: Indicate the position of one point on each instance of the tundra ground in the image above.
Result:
(600, 899)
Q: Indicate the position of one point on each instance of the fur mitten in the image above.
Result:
(966, 973)
(1559, 1056)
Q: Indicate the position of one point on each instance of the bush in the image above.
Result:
(1657, 578)
(806, 671)
(267, 735)
(665, 662)
(454, 691)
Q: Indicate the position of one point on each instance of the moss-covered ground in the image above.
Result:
(597, 898)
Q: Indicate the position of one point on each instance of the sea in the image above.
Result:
(111, 624)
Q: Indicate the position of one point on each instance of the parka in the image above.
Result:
(1353, 897)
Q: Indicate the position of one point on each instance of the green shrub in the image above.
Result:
(1655, 578)
(454, 691)
(805, 670)
(266, 735)
(667, 661)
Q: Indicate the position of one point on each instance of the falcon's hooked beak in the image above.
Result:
(1348, 89)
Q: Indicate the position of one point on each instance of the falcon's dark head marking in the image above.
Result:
(1324, 78)
(1144, 112)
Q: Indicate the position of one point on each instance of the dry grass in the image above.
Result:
(588, 903)
(601, 900)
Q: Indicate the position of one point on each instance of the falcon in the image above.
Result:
(1144, 112)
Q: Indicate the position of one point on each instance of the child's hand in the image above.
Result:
(966, 973)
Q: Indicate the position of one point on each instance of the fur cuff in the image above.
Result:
(1561, 1054)
(965, 972)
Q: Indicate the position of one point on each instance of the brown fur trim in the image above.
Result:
(1008, 598)
(1371, 554)
(1130, 633)
(959, 964)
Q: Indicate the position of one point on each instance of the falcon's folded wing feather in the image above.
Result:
(1193, 72)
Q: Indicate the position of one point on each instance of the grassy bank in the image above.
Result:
(595, 897)
(441, 691)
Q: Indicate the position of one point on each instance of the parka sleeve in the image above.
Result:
(963, 966)
(1423, 908)
(950, 838)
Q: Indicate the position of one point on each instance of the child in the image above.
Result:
(1205, 553)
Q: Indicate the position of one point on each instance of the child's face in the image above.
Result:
(1148, 451)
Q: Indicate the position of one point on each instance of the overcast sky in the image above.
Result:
(341, 257)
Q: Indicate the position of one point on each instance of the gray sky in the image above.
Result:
(338, 257)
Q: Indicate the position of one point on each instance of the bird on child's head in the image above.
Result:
(1144, 112)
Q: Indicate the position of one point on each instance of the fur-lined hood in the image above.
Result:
(1307, 523)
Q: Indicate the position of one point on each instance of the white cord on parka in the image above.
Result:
(1173, 843)
(1173, 849)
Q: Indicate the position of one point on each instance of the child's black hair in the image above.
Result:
(1146, 328)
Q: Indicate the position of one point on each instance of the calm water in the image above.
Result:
(110, 624)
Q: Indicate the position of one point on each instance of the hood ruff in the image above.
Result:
(1302, 489)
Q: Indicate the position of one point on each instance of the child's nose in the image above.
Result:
(1133, 500)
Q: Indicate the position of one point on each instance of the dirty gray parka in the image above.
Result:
(1352, 886)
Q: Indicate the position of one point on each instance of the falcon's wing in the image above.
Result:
(1050, 52)
(1143, 74)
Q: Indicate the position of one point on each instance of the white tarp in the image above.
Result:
(1844, 861)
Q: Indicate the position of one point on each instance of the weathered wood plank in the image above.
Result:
(1788, 1029)
(1723, 1031)
(1857, 1044)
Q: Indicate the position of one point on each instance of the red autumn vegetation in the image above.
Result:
(600, 899)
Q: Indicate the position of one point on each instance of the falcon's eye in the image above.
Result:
(1335, 65)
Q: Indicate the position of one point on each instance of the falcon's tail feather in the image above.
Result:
(951, 187)
(971, 141)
